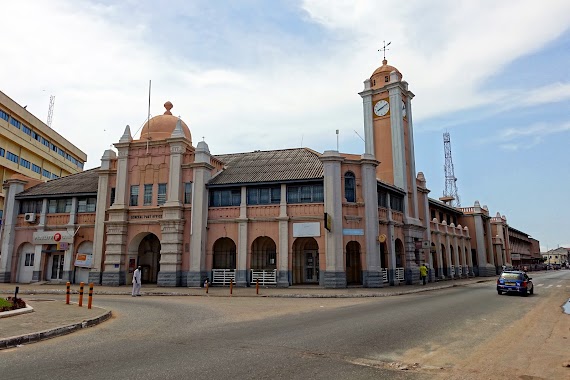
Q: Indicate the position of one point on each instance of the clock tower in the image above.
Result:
(388, 132)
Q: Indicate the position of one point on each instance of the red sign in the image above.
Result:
(57, 236)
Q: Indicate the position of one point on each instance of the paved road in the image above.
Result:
(262, 338)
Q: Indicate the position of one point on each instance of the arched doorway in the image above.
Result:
(400, 257)
(384, 255)
(263, 254)
(435, 262)
(224, 254)
(445, 263)
(453, 263)
(305, 261)
(148, 257)
(26, 262)
(353, 264)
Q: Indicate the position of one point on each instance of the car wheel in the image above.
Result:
(499, 292)
(525, 294)
(532, 290)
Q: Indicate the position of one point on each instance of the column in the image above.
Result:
(242, 244)
(391, 246)
(101, 207)
(199, 218)
(283, 274)
(335, 275)
(11, 188)
(372, 276)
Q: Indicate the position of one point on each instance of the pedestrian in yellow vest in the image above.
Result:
(423, 273)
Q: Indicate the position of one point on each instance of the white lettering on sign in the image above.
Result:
(46, 237)
(312, 229)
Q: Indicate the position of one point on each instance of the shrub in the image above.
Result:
(13, 304)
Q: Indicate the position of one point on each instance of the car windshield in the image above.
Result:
(511, 276)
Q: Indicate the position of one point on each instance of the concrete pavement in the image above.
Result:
(51, 318)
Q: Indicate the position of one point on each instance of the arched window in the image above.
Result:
(349, 187)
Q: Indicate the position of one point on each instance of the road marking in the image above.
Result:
(549, 286)
(539, 284)
(558, 286)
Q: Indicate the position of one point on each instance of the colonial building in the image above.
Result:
(283, 217)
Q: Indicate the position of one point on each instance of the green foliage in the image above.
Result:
(11, 304)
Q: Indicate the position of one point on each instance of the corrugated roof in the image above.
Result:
(269, 166)
(85, 182)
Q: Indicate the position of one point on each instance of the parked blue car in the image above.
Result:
(515, 281)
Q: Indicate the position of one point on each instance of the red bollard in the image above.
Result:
(81, 294)
(90, 299)
(67, 293)
(207, 286)
(231, 287)
(257, 286)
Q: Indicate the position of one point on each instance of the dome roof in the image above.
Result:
(384, 70)
(161, 127)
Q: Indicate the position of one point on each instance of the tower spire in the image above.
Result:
(383, 50)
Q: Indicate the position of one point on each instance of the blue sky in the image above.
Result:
(249, 75)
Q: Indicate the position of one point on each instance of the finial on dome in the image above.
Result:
(168, 105)
(384, 61)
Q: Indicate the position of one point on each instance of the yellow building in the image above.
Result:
(29, 147)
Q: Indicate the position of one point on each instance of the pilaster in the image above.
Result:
(11, 209)
(335, 274)
(283, 269)
(372, 276)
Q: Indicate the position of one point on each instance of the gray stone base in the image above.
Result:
(36, 276)
(5, 276)
(283, 279)
(95, 278)
(412, 275)
(334, 279)
(372, 279)
(183, 278)
(168, 279)
(241, 278)
(487, 271)
(113, 279)
(196, 279)
(67, 275)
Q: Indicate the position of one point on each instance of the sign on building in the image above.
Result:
(312, 229)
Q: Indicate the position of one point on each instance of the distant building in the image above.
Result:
(283, 217)
(559, 256)
(31, 148)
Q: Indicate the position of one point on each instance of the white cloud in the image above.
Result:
(97, 60)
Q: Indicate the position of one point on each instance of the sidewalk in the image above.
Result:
(52, 318)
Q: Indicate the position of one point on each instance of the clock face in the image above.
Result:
(381, 108)
(404, 108)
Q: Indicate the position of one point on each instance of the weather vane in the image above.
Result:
(384, 48)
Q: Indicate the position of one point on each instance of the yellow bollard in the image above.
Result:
(257, 286)
(90, 299)
(67, 293)
(81, 294)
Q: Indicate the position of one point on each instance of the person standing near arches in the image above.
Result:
(423, 273)
(137, 282)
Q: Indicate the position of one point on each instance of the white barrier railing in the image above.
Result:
(223, 276)
(459, 270)
(384, 275)
(452, 271)
(264, 276)
(399, 274)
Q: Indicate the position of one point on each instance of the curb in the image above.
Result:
(11, 313)
(52, 333)
(285, 295)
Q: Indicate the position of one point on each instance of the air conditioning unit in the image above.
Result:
(30, 217)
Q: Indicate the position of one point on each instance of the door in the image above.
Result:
(311, 267)
(26, 267)
(57, 267)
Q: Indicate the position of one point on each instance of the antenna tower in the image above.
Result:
(450, 191)
(50, 112)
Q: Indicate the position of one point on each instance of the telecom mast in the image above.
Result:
(450, 193)
(50, 112)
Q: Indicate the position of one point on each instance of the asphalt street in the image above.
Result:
(270, 338)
